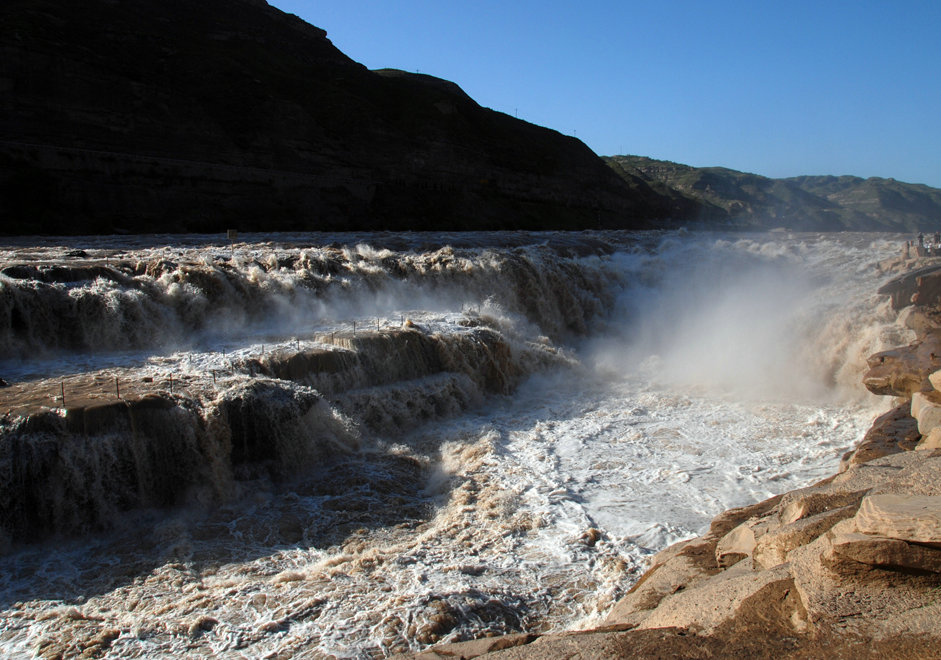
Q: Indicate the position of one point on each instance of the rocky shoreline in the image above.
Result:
(849, 567)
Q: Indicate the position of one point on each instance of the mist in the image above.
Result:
(744, 319)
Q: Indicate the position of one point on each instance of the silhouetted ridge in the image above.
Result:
(148, 115)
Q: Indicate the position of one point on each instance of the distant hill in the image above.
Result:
(197, 115)
(819, 203)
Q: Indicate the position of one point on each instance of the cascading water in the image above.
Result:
(517, 422)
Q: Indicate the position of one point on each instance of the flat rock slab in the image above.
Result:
(914, 518)
(885, 552)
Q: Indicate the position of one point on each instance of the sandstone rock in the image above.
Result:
(935, 379)
(891, 433)
(921, 621)
(885, 552)
(735, 546)
(710, 603)
(930, 441)
(916, 473)
(728, 520)
(896, 471)
(904, 371)
(814, 500)
(916, 318)
(928, 289)
(912, 518)
(585, 645)
(926, 408)
(842, 593)
(773, 547)
(904, 288)
(671, 571)
(476, 647)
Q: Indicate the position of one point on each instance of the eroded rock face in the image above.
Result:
(881, 552)
(904, 371)
(920, 287)
(930, 441)
(926, 409)
(773, 547)
(921, 320)
(893, 432)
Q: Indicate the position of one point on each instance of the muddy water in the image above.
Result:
(688, 374)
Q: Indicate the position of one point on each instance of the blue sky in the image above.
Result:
(774, 88)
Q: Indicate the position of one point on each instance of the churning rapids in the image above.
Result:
(515, 424)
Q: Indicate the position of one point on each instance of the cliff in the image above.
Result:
(809, 203)
(849, 567)
(157, 116)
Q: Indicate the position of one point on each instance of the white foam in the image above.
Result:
(728, 371)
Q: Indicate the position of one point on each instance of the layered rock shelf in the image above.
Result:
(849, 567)
(78, 450)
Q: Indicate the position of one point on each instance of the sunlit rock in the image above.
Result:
(918, 319)
(919, 287)
(773, 547)
(930, 441)
(926, 408)
(915, 518)
(735, 546)
(891, 433)
(710, 603)
(904, 371)
(847, 543)
(827, 496)
(935, 379)
(672, 570)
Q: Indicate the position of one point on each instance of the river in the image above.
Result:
(651, 381)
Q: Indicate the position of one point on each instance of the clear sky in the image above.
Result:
(775, 88)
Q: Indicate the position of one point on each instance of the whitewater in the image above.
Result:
(511, 424)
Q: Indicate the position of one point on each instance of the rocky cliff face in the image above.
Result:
(164, 115)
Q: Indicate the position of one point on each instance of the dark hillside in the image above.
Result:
(196, 115)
